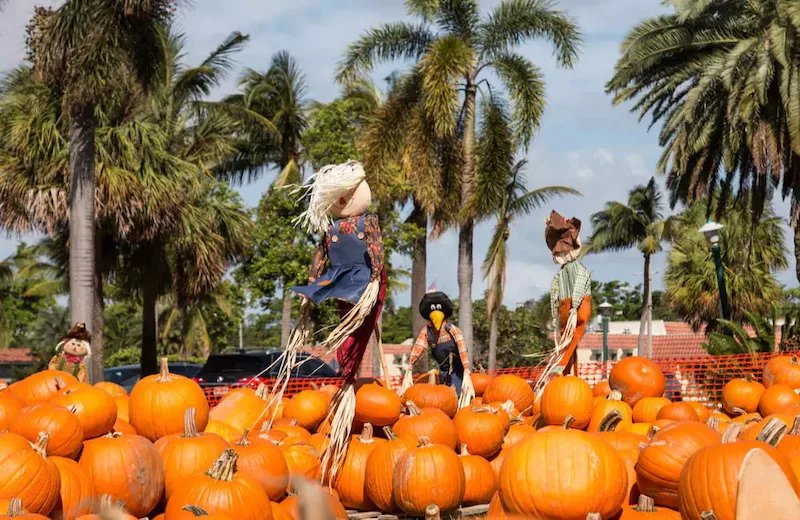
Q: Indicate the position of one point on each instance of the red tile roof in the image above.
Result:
(16, 355)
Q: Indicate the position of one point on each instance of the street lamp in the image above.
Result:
(605, 311)
(711, 232)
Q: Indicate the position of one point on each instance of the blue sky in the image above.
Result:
(584, 142)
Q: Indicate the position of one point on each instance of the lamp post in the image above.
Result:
(711, 232)
(605, 311)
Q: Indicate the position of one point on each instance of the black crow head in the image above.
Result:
(436, 307)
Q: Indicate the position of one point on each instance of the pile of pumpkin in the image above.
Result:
(616, 451)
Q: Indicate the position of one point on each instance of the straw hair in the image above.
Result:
(467, 391)
(343, 412)
(408, 381)
(327, 186)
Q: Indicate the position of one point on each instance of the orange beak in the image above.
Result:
(437, 318)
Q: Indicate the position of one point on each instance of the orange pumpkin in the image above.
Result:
(75, 491)
(291, 428)
(158, 403)
(594, 480)
(380, 467)
(776, 397)
(377, 405)
(42, 386)
(13, 509)
(291, 506)
(66, 434)
(222, 491)
(188, 453)
(106, 507)
(28, 474)
(112, 389)
(567, 395)
(95, 409)
(227, 432)
(766, 428)
(190, 512)
(10, 406)
(302, 459)
(645, 509)
(127, 467)
(517, 432)
(601, 389)
(661, 461)
(510, 388)
(481, 429)
(122, 408)
(480, 380)
(680, 411)
(742, 395)
(243, 409)
(613, 403)
(309, 408)
(782, 370)
(703, 412)
(646, 409)
(637, 377)
(351, 479)
(123, 427)
(480, 481)
(262, 461)
(434, 464)
(433, 395)
(789, 445)
(427, 422)
(626, 445)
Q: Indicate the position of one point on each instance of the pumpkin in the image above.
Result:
(710, 478)
(191, 511)
(612, 403)
(583, 475)
(42, 386)
(158, 403)
(646, 409)
(567, 395)
(262, 461)
(637, 377)
(309, 408)
(351, 479)
(14, 510)
(601, 389)
(782, 370)
(127, 467)
(112, 389)
(627, 446)
(517, 432)
(122, 426)
(66, 434)
(703, 412)
(433, 395)
(427, 422)
(480, 380)
(95, 409)
(320, 441)
(27, 472)
(188, 453)
(302, 459)
(222, 491)
(10, 406)
(108, 507)
(510, 388)
(775, 397)
(377, 405)
(645, 509)
(480, 481)
(227, 432)
(75, 490)
(481, 429)
(122, 408)
(243, 409)
(640, 428)
(661, 461)
(292, 507)
(680, 411)
(747, 418)
(380, 467)
(267, 433)
(789, 445)
(425, 475)
(769, 427)
(291, 428)
(497, 463)
(742, 395)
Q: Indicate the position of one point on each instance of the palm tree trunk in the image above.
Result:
(81, 216)
(419, 264)
(150, 284)
(98, 320)
(467, 225)
(286, 316)
(493, 326)
(645, 293)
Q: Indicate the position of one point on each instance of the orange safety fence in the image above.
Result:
(689, 379)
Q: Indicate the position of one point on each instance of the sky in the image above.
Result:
(584, 142)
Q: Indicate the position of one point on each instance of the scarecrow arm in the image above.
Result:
(555, 303)
(458, 337)
(582, 282)
(372, 229)
(319, 260)
(420, 346)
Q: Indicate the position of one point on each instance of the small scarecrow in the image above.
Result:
(443, 339)
(72, 351)
(570, 293)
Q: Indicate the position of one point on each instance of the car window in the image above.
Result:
(233, 363)
(120, 375)
(313, 367)
(184, 370)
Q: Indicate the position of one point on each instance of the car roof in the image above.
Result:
(171, 363)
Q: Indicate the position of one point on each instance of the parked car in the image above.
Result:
(128, 375)
(221, 371)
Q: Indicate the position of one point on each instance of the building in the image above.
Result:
(13, 358)
(671, 340)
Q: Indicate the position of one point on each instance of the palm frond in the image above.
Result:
(443, 69)
(198, 81)
(535, 199)
(525, 84)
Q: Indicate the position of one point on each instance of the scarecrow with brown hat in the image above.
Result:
(72, 351)
(571, 290)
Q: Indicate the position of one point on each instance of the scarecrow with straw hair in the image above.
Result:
(72, 351)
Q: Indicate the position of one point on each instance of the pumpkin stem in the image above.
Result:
(748, 377)
(610, 422)
(793, 360)
(196, 511)
(713, 423)
(389, 432)
(739, 411)
(568, 421)
(508, 407)
(244, 441)
(732, 433)
(594, 516)
(795, 426)
(424, 441)
(164, 372)
(224, 468)
(614, 395)
(293, 422)
(464, 450)
(432, 512)
(107, 501)
(645, 505)
(366, 434)
(431, 378)
(40, 446)
(708, 515)
(190, 423)
(412, 408)
(483, 409)
(15, 507)
(772, 432)
(652, 431)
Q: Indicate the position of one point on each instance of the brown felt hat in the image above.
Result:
(79, 332)
(562, 234)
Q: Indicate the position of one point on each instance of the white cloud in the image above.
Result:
(635, 165)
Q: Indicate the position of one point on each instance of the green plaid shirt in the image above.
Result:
(572, 281)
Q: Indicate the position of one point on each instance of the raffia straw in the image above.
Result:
(557, 354)
(354, 318)
(343, 412)
(408, 381)
(467, 392)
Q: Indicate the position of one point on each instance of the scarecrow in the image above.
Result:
(443, 338)
(72, 351)
(570, 293)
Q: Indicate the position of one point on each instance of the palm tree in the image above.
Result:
(74, 47)
(517, 201)
(721, 77)
(452, 63)
(640, 224)
(750, 255)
